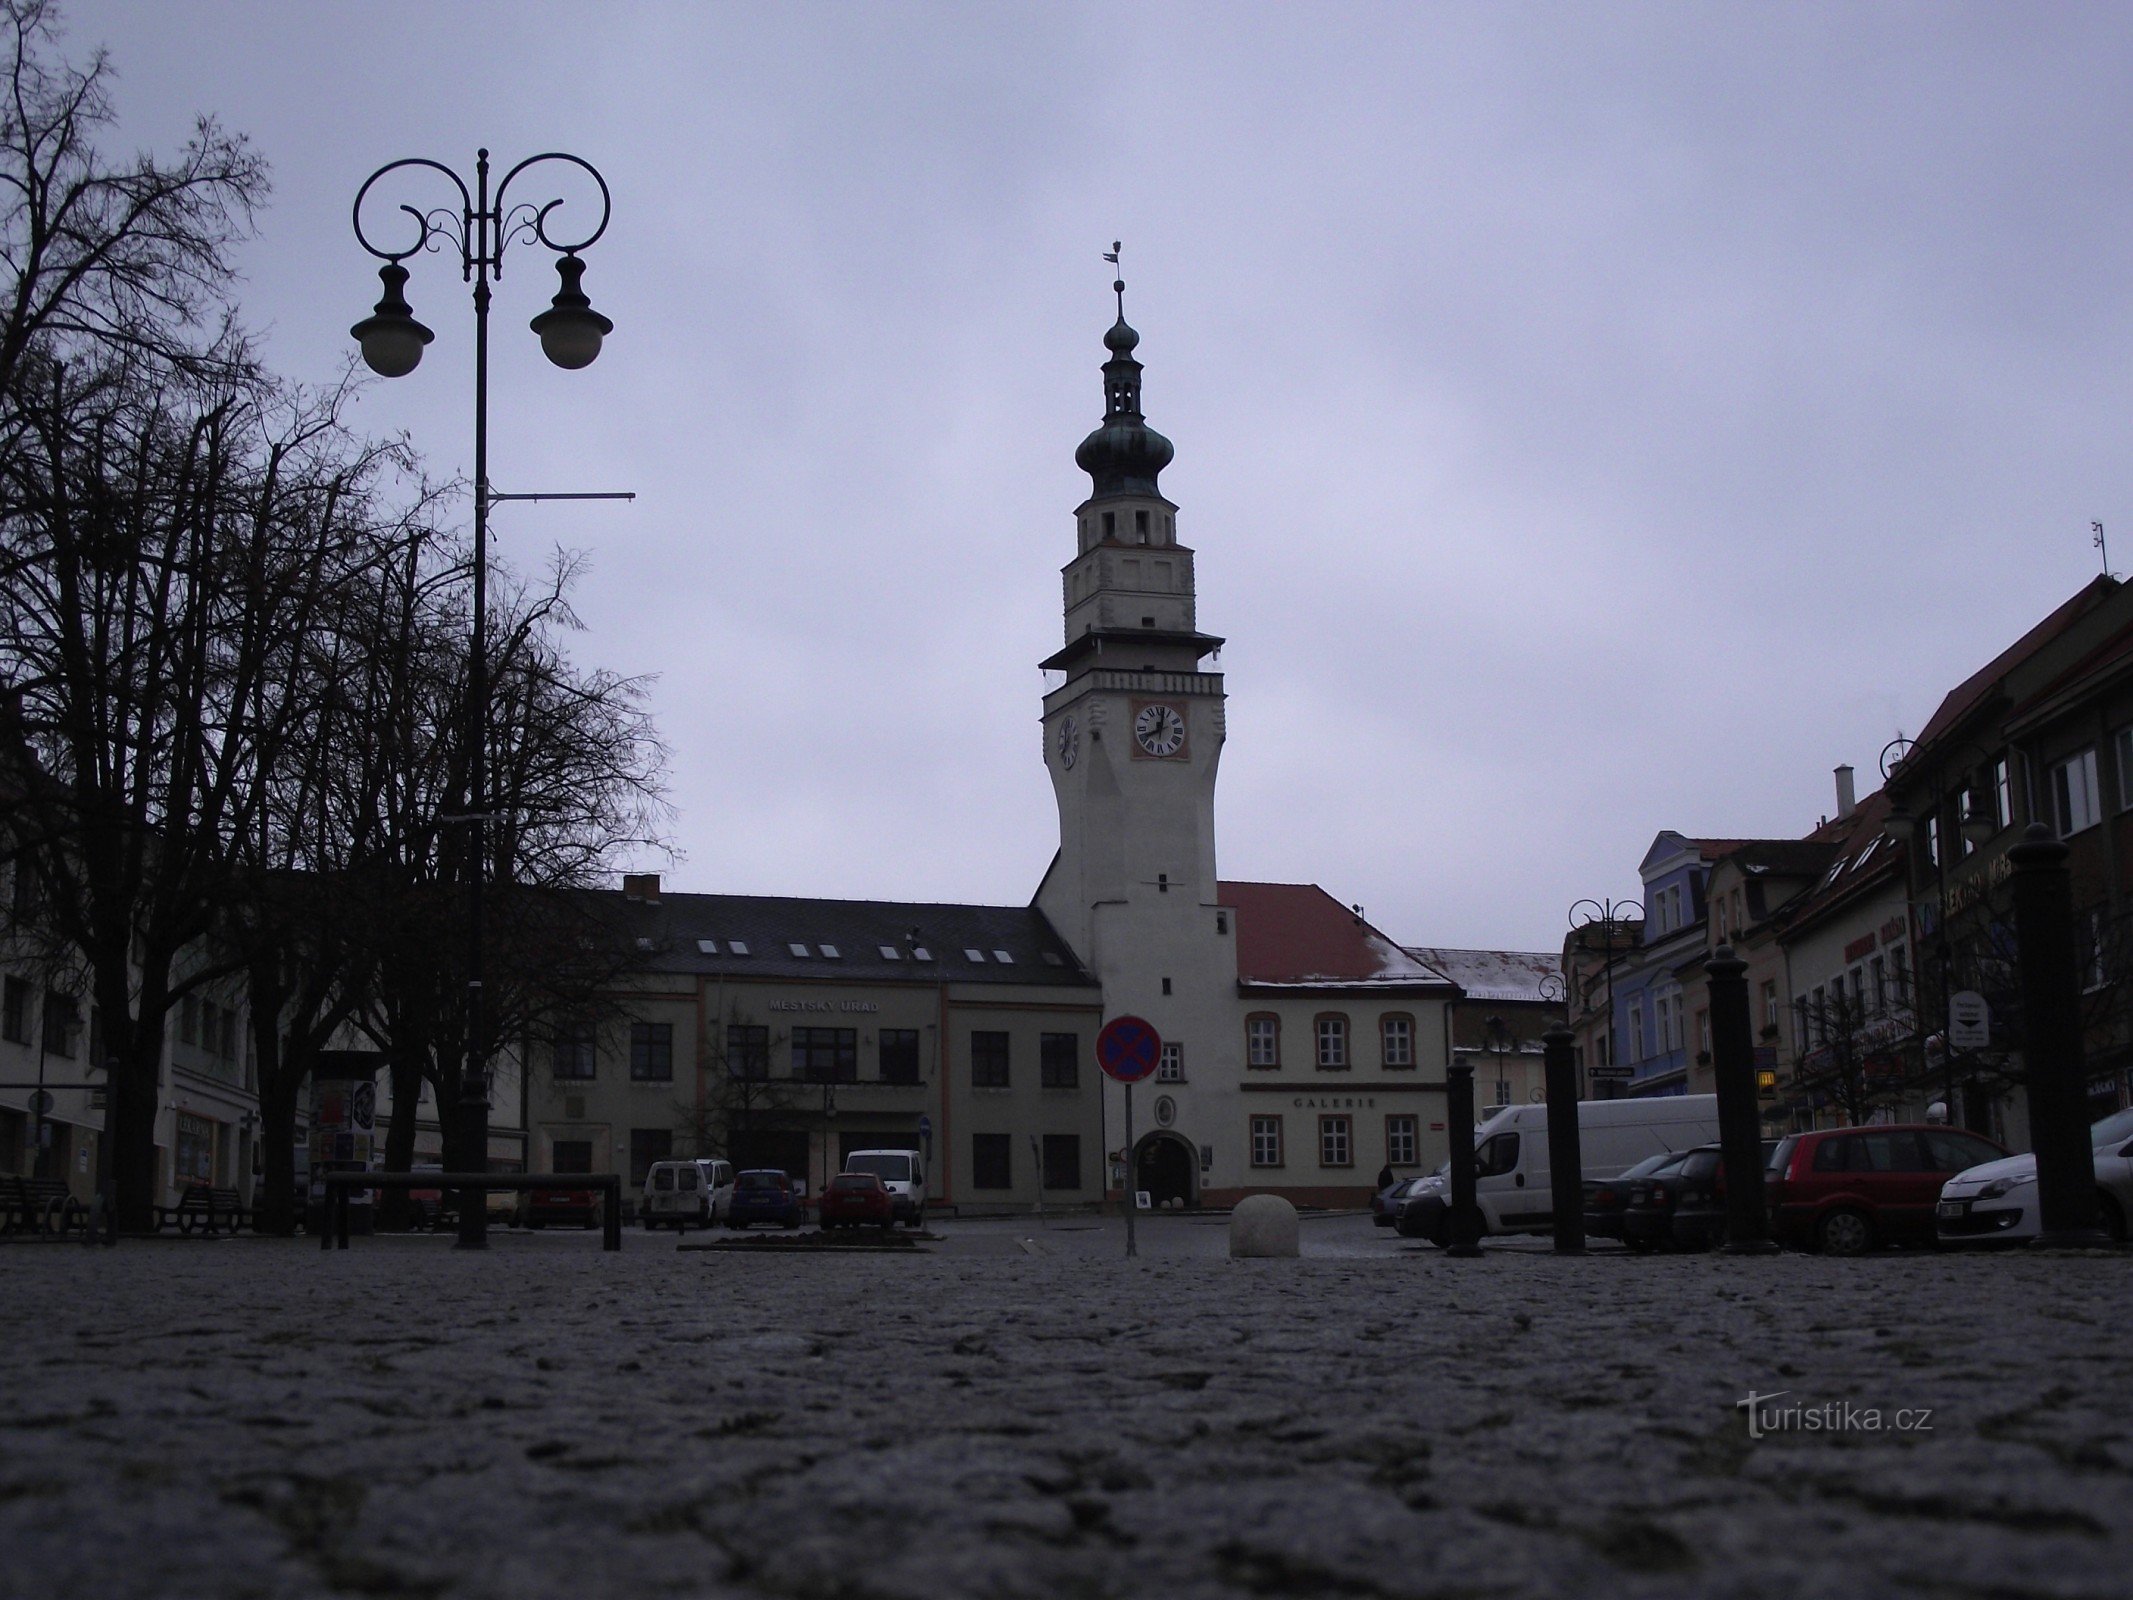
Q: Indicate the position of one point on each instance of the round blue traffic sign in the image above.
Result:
(1128, 1049)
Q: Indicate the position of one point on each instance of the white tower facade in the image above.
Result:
(1132, 739)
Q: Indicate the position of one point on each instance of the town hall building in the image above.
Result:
(1303, 1050)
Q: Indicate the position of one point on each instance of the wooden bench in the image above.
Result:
(208, 1209)
(39, 1205)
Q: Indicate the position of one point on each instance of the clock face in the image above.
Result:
(1069, 742)
(1159, 729)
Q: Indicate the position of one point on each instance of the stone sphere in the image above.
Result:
(1262, 1225)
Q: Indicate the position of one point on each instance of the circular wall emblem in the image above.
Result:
(1166, 1111)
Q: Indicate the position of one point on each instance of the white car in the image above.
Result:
(1998, 1200)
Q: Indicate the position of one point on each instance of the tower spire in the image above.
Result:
(1124, 454)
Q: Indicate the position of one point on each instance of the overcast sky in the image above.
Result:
(1590, 420)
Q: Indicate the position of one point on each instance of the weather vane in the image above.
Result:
(1118, 283)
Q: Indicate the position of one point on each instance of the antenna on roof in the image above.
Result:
(2096, 530)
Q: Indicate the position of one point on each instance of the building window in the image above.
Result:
(1770, 1003)
(189, 1020)
(1396, 1038)
(1336, 1143)
(15, 1013)
(2073, 793)
(574, 1052)
(194, 1159)
(899, 1055)
(60, 1019)
(570, 1155)
(826, 1055)
(992, 1161)
(1637, 1051)
(1062, 1161)
(648, 1145)
(1266, 1141)
(1262, 1040)
(1170, 1066)
(1059, 1060)
(2003, 790)
(1703, 1032)
(2088, 948)
(1403, 1141)
(747, 1051)
(988, 1064)
(1332, 1042)
(652, 1053)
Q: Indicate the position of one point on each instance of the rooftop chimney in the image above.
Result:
(641, 886)
(1847, 801)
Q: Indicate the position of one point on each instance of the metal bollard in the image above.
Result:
(1566, 1171)
(1740, 1124)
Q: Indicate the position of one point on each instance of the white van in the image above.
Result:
(1511, 1158)
(718, 1177)
(682, 1194)
(904, 1174)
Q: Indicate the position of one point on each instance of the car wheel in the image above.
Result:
(2112, 1215)
(1844, 1232)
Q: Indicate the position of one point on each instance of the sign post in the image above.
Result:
(1128, 1050)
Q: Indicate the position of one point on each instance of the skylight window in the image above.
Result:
(831, 953)
(737, 947)
(975, 955)
(1051, 959)
(647, 944)
(1835, 867)
(889, 952)
(799, 950)
(920, 953)
(707, 947)
(1003, 958)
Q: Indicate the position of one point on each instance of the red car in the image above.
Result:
(539, 1207)
(1844, 1190)
(857, 1199)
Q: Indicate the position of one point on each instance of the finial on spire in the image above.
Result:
(1118, 283)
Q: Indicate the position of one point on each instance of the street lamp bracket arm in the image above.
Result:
(529, 222)
(429, 225)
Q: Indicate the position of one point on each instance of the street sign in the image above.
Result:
(1969, 1021)
(925, 1127)
(1611, 1074)
(40, 1102)
(1128, 1049)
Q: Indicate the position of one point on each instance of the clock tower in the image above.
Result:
(1132, 738)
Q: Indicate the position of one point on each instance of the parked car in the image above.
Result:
(539, 1207)
(855, 1199)
(1845, 1190)
(1511, 1178)
(1607, 1198)
(1673, 1207)
(1385, 1204)
(763, 1194)
(903, 1173)
(676, 1196)
(1997, 1202)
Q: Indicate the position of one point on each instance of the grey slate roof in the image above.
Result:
(696, 933)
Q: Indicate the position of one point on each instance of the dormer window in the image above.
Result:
(1140, 527)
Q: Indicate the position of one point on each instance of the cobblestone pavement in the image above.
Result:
(1021, 1412)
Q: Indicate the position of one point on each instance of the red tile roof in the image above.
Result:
(1297, 934)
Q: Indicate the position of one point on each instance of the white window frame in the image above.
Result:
(2076, 807)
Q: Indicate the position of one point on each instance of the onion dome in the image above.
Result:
(1124, 454)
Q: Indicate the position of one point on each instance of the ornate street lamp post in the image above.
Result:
(1608, 916)
(480, 228)
(1978, 825)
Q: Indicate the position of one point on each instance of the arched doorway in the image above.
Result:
(1168, 1168)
